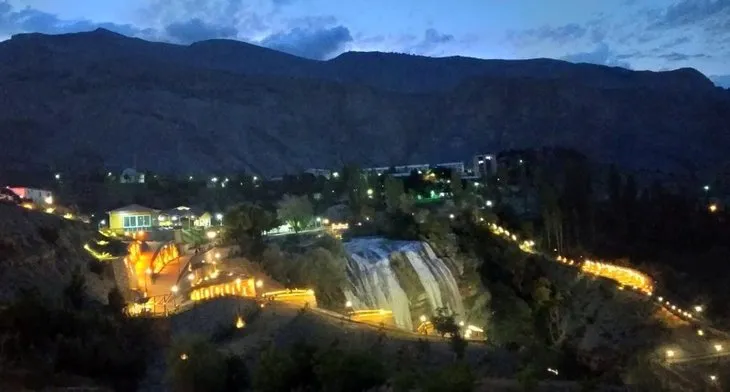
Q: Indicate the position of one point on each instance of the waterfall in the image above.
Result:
(374, 283)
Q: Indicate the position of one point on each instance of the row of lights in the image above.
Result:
(625, 276)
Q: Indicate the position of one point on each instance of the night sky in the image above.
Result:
(637, 34)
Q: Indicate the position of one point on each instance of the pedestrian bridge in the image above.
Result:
(146, 259)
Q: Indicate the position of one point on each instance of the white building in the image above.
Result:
(406, 170)
(38, 196)
(485, 165)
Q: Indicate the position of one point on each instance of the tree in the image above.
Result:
(297, 211)
(394, 192)
(357, 189)
(444, 322)
(245, 224)
(457, 187)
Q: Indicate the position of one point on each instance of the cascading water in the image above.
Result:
(374, 283)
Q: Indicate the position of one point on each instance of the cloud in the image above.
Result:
(691, 12)
(195, 30)
(675, 56)
(559, 34)
(313, 43)
(432, 42)
(721, 80)
(30, 20)
(601, 55)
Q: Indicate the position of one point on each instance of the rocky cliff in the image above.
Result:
(82, 100)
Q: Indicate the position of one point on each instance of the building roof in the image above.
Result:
(135, 208)
(184, 211)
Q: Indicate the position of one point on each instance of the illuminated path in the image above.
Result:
(623, 276)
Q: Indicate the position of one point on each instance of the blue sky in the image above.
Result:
(637, 34)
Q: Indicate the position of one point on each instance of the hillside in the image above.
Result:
(41, 253)
(100, 97)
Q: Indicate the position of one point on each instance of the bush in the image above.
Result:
(304, 367)
(115, 301)
(196, 365)
(74, 341)
(237, 377)
(48, 234)
(456, 377)
(343, 371)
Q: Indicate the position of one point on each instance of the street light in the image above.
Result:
(699, 308)
(259, 283)
(184, 356)
(57, 176)
(670, 353)
(712, 208)
(423, 318)
(174, 289)
(713, 377)
(700, 332)
(219, 217)
(348, 304)
(211, 235)
(718, 347)
(706, 188)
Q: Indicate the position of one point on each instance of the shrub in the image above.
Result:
(196, 365)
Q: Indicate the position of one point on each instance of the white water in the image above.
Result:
(374, 283)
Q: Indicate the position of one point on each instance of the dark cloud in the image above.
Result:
(195, 30)
(674, 56)
(316, 44)
(30, 20)
(602, 55)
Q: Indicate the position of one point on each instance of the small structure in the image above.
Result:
(131, 176)
(37, 196)
(186, 217)
(133, 217)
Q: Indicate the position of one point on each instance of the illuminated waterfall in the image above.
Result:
(374, 283)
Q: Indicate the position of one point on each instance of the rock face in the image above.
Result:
(101, 98)
(41, 252)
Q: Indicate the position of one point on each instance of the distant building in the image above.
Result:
(131, 176)
(133, 217)
(397, 171)
(37, 196)
(184, 217)
(406, 170)
(485, 165)
(453, 166)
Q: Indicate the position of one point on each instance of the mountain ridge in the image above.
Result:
(84, 100)
(357, 67)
